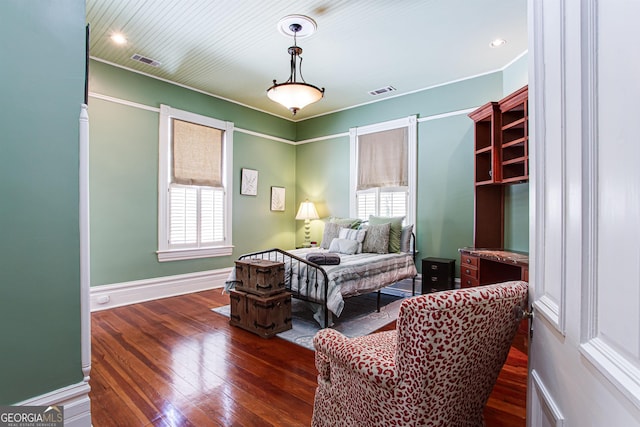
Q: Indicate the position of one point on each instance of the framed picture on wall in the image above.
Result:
(249, 182)
(277, 198)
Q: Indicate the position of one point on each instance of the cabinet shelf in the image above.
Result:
(484, 150)
(519, 141)
(516, 123)
(516, 160)
(514, 137)
(501, 152)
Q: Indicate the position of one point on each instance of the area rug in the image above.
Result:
(358, 318)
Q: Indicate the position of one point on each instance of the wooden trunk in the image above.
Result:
(264, 316)
(260, 276)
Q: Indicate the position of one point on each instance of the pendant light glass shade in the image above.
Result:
(294, 94)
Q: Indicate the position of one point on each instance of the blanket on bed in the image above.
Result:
(323, 258)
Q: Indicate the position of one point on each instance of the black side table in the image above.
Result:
(438, 274)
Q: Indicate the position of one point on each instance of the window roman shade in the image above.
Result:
(197, 154)
(382, 159)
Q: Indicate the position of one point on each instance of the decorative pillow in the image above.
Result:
(357, 235)
(396, 229)
(331, 231)
(377, 239)
(343, 246)
(405, 238)
(346, 222)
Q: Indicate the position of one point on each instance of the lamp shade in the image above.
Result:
(307, 211)
(294, 96)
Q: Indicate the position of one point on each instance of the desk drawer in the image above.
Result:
(468, 281)
(469, 271)
(469, 260)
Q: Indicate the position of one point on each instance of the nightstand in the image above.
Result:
(438, 274)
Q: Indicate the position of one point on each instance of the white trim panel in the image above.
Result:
(120, 294)
(615, 367)
(74, 398)
(611, 321)
(544, 410)
(549, 160)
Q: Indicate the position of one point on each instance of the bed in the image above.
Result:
(326, 286)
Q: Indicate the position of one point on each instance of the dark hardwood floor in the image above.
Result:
(173, 362)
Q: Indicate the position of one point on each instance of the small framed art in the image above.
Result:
(277, 198)
(249, 182)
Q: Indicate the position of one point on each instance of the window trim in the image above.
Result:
(410, 123)
(165, 252)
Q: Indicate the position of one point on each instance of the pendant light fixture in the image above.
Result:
(295, 93)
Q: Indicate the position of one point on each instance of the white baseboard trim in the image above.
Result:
(74, 399)
(116, 295)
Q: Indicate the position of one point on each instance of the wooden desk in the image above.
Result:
(485, 266)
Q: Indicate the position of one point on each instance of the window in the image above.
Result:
(382, 201)
(383, 169)
(194, 203)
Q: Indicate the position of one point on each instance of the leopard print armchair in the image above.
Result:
(436, 369)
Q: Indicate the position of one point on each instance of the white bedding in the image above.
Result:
(355, 275)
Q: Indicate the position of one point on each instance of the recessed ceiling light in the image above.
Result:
(118, 38)
(497, 42)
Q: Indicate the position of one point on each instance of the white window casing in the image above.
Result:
(194, 221)
(385, 201)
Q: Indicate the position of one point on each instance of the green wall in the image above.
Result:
(516, 217)
(445, 187)
(124, 154)
(444, 220)
(515, 75)
(42, 92)
(464, 94)
(124, 176)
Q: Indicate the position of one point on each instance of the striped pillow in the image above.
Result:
(350, 234)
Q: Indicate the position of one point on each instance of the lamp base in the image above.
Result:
(307, 234)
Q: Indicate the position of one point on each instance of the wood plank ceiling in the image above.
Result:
(233, 50)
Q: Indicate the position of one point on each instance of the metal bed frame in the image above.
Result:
(309, 276)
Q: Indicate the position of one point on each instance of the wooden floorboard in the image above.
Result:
(174, 362)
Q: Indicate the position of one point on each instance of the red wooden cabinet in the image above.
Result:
(501, 157)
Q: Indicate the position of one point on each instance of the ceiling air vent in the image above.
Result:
(145, 60)
(382, 90)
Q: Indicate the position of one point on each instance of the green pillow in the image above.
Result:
(346, 222)
(395, 229)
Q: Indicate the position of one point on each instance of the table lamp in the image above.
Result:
(307, 212)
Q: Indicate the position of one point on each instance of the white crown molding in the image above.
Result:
(499, 70)
(157, 110)
(119, 294)
(265, 136)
